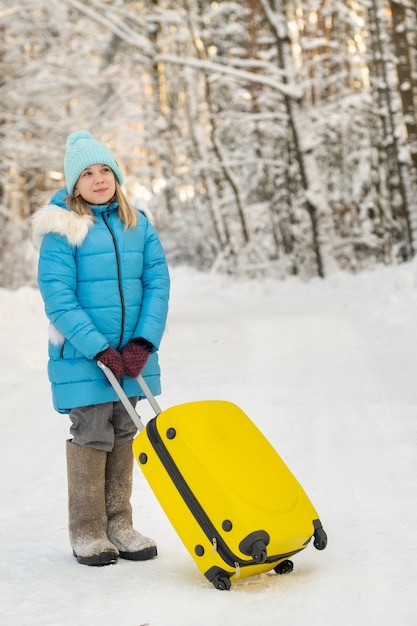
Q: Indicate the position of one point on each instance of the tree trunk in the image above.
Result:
(314, 193)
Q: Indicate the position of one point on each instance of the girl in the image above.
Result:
(104, 280)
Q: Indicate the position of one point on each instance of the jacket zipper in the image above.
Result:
(119, 275)
(195, 507)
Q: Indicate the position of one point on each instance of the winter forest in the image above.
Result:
(265, 137)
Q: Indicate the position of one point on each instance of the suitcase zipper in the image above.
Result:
(190, 500)
(219, 545)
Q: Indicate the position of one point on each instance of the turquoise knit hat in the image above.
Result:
(82, 150)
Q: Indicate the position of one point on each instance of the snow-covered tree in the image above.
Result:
(266, 136)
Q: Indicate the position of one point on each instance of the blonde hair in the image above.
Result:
(126, 212)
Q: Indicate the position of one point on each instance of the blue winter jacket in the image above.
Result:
(102, 286)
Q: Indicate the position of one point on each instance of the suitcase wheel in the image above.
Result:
(222, 582)
(254, 545)
(285, 567)
(219, 578)
(320, 536)
(259, 552)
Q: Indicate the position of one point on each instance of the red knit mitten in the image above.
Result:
(113, 360)
(134, 357)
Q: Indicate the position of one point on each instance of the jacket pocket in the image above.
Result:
(64, 351)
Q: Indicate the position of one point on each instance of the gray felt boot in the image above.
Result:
(130, 543)
(87, 507)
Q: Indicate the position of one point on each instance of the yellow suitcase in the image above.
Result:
(232, 500)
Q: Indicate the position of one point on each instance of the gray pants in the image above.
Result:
(102, 426)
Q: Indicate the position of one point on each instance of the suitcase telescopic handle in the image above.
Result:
(125, 400)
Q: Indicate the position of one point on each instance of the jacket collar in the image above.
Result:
(57, 218)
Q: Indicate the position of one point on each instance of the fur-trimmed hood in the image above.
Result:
(52, 218)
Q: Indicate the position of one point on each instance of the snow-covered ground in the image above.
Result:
(326, 369)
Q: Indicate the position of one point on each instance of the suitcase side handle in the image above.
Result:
(125, 400)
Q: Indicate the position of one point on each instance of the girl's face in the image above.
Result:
(96, 184)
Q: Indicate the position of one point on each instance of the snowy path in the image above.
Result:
(327, 371)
